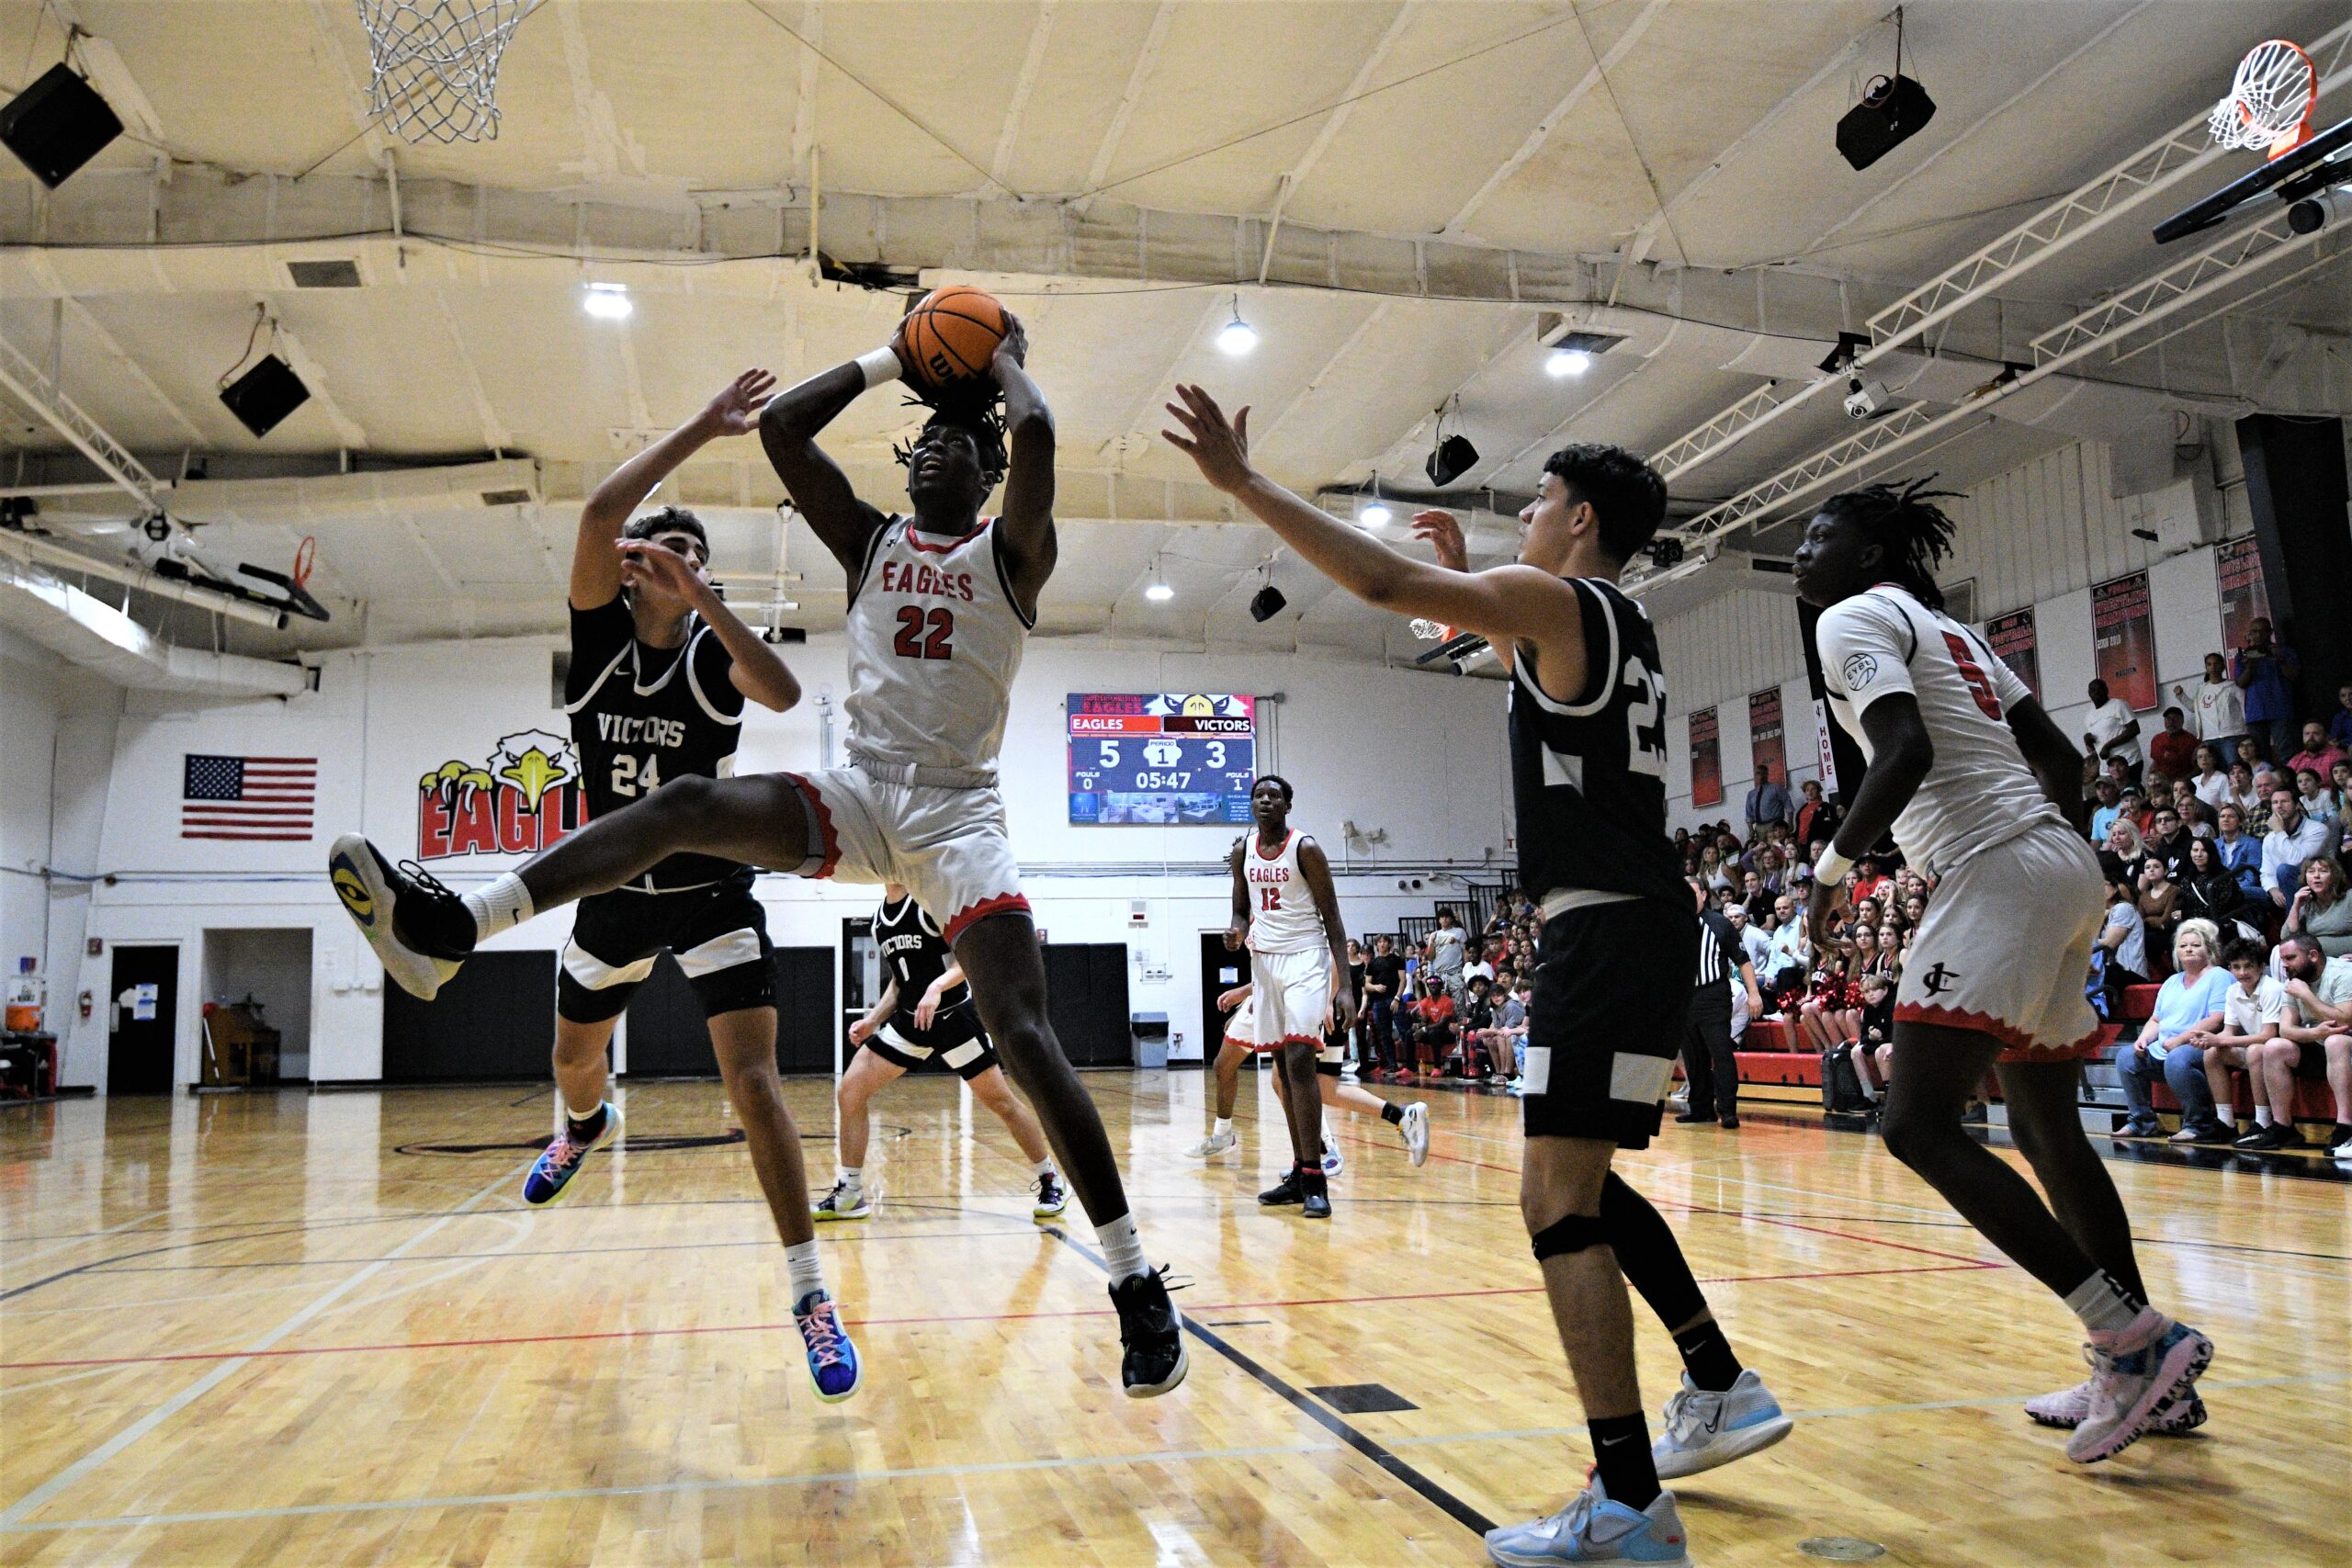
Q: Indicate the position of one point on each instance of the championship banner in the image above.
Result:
(2237, 568)
(1707, 759)
(2011, 637)
(521, 801)
(2123, 639)
(1161, 758)
(1767, 745)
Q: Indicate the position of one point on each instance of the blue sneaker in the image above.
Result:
(1704, 1430)
(1592, 1529)
(833, 1366)
(2134, 1374)
(552, 1172)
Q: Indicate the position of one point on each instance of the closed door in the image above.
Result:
(144, 1003)
(1221, 970)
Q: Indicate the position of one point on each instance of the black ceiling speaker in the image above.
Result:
(57, 125)
(1267, 603)
(1892, 111)
(266, 394)
(1453, 458)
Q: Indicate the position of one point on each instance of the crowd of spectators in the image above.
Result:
(1452, 1005)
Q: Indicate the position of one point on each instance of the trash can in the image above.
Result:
(1150, 1030)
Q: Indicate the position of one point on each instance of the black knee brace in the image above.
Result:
(1573, 1234)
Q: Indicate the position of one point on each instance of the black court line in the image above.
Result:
(1445, 1502)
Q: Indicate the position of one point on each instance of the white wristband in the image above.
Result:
(1832, 866)
(878, 365)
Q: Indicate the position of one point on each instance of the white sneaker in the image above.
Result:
(1593, 1530)
(1703, 1429)
(843, 1202)
(1216, 1143)
(2342, 1150)
(1334, 1161)
(1416, 1128)
(2133, 1373)
(2067, 1407)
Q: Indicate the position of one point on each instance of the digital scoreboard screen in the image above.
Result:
(1161, 758)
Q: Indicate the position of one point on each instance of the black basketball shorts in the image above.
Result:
(1608, 1010)
(718, 935)
(954, 1038)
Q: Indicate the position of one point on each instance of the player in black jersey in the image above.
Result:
(660, 671)
(1618, 957)
(924, 1014)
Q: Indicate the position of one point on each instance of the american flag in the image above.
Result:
(248, 797)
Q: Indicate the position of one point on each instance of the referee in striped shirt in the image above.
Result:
(1710, 1069)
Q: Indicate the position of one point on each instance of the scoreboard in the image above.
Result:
(1161, 758)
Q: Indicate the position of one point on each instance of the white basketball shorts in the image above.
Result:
(1292, 992)
(947, 847)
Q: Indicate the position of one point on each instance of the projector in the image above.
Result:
(1864, 398)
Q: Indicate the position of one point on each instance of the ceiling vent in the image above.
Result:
(336, 273)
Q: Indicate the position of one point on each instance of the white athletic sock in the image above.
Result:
(1044, 1166)
(852, 1177)
(582, 1115)
(1122, 1248)
(808, 1272)
(1224, 1125)
(2104, 1306)
(506, 902)
(2262, 1116)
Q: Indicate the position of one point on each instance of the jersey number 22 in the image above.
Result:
(912, 642)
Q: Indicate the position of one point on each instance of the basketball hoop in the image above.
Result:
(436, 64)
(1429, 631)
(2271, 100)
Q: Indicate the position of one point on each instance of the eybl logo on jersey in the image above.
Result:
(522, 800)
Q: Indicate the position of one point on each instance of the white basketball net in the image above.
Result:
(2268, 100)
(1428, 631)
(436, 64)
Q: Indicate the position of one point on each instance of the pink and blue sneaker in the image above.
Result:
(552, 1172)
(833, 1365)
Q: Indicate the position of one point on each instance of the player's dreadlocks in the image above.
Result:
(1905, 520)
(980, 417)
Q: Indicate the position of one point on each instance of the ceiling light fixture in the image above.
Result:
(607, 301)
(1236, 337)
(1568, 362)
(1375, 514)
(1159, 594)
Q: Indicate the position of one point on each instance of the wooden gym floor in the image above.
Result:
(285, 1328)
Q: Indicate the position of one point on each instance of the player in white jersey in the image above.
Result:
(941, 603)
(1286, 913)
(1983, 793)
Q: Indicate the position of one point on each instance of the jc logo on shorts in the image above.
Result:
(354, 893)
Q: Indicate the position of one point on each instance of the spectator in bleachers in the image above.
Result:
(2119, 851)
(2251, 1010)
(1818, 819)
(2112, 732)
(2168, 839)
(1874, 1052)
(2319, 754)
(2239, 850)
(2219, 705)
(2319, 803)
(2125, 940)
(2265, 670)
(2316, 1035)
(1768, 801)
(2339, 723)
(1869, 882)
(2242, 794)
(2249, 751)
(2293, 840)
(2212, 779)
(2189, 1003)
(2107, 804)
(2209, 890)
(1383, 984)
(2158, 900)
(1787, 954)
(1448, 944)
(2172, 752)
(2320, 909)
(1433, 1027)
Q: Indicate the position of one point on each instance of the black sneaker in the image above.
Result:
(1730, 1124)
(1694, 1116)
(1318, 1204)
(1284, 1194)
(1151, 1334)
(419, 929)
(2288, 1136)
(2268, 1137)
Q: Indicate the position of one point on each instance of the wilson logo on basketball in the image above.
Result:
(526, 798)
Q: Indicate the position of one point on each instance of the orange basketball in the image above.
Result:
(952, 333)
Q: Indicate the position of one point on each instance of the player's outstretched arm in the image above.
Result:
(819, 490)
(755, 671)
(1026, 526)
(595, 553)
(2056, 765)
(1506, 603)
(1314, 865)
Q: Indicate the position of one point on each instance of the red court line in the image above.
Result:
(1726, 1213)
(1197, 1308)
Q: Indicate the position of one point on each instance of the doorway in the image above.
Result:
(143, 1015)
(1220, 972)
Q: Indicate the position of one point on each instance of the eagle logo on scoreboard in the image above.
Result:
(1161, 758)
(524, 798)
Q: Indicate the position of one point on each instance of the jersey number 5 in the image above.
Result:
(911, 642)
(1979, 686)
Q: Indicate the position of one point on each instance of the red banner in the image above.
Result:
(1707, 759)
(2237, 566)
(2012, 639)
(1767, 745)
(2123, 639)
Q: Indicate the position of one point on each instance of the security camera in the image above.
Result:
(2313, 213)
(1864, 398)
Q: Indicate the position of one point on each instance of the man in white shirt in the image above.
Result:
(2219, 705)
(2315, 1034)
(2251, 1015)
(1752, 942)
(2125, 937)
(2112, 732)
(2293, 838)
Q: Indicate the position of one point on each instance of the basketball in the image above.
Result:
(952, 333)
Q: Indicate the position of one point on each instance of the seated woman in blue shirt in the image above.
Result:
(2188, 1002)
